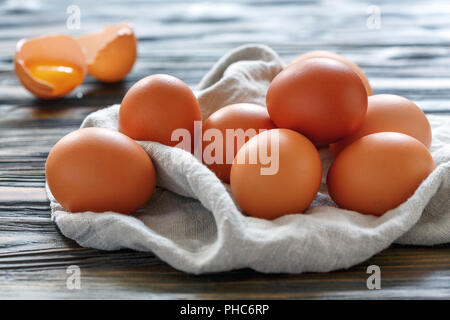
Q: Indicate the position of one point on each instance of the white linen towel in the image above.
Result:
(193, 224)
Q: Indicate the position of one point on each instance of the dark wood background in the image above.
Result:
(408, 55)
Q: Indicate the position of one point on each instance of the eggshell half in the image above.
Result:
(110, 53)
(52, 48)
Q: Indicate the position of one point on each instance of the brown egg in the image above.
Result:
(332, 55)
(275, 173)
(388, 112)
(378, 172)
(110, 53)
(50, 66)
(156, 106)
(322, 98)
(97, 169)
(243, 121)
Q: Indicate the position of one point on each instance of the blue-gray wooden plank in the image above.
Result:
(408, 55)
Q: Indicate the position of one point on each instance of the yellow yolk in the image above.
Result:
(61, 76)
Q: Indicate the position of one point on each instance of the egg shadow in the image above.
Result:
(97, 89)
(90, 94)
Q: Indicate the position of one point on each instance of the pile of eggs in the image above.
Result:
(52, 66)
(321, 100)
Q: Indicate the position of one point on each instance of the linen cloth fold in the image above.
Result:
(192, 223)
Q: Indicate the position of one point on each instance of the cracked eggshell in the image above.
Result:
(53, 48)
(110, 53)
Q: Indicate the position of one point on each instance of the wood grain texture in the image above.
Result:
(409, 55)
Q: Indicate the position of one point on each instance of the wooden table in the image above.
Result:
(407, 53)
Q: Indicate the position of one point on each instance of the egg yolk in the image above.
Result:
(61, 76)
